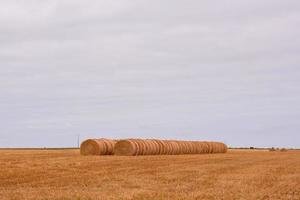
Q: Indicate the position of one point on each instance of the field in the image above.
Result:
(64, 174)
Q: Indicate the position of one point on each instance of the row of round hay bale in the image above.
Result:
(133, 147)
(97, 147)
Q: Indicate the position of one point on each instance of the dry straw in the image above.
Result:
(97, 147)
(132, 147)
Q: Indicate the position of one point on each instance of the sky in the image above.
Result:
(188, 70)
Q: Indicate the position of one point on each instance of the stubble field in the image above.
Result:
(64, 174)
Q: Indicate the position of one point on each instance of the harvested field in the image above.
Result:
(65, 174)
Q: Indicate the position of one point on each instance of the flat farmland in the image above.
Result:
(64, 174)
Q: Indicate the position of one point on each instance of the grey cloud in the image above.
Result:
(206, 70)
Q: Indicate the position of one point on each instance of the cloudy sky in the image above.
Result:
(193, 70)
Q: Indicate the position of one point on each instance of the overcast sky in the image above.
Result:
(192, 70)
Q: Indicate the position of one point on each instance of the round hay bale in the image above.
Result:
(146, 148)
(169, 147)
(206, 147)
(156, 147)
(136, 143)
(225, 148)
(221, 148)
(211, 148)
(184, 147)
(109, 146)
(149, 147)
(126, 148)
(179, 146)
(164, 147)
(165, 150)
(202, 147)
(176, 147)
(193, 147)
(160, 146)
(216, 147)
(188, 147)
(198, 147)
(97, 147)
(141, 146)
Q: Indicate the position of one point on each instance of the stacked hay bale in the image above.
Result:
(97, 147)
(133, 147)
